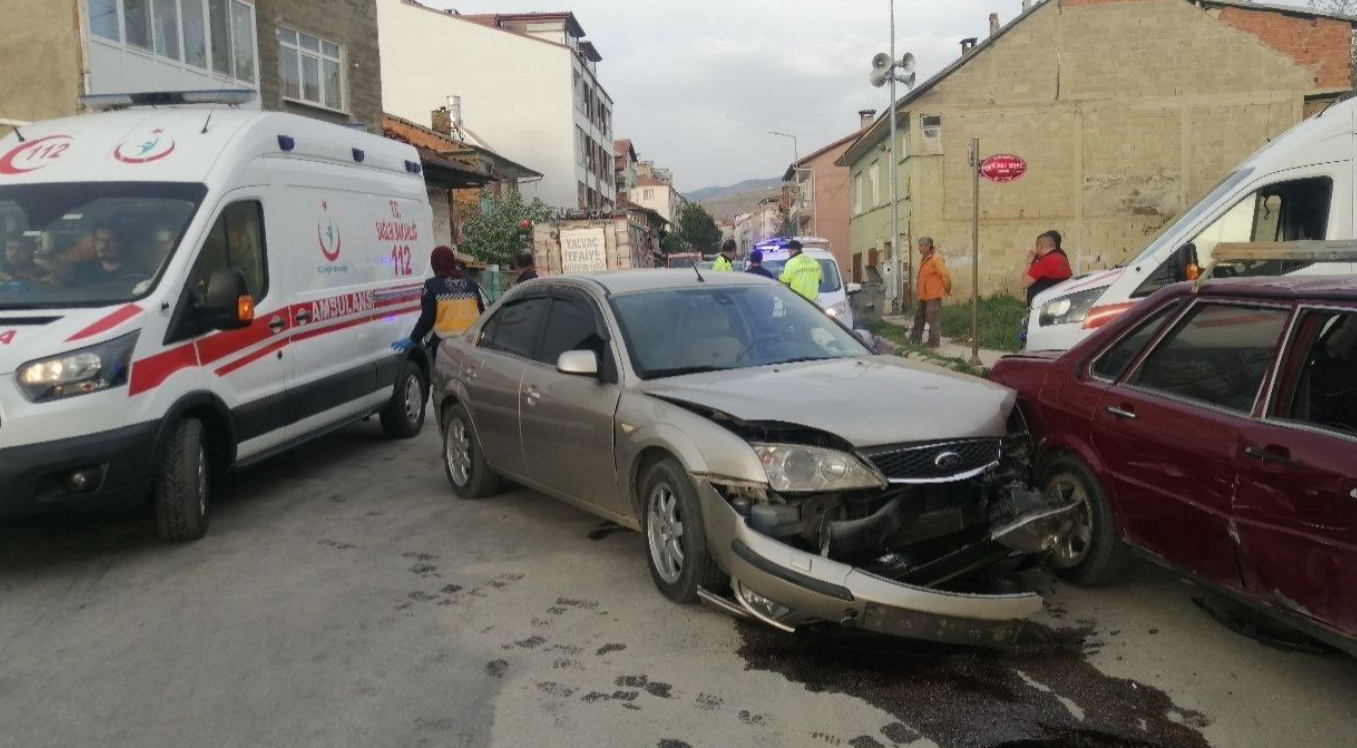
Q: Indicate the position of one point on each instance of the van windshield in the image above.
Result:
(1186, 219)
(829, 273)
(89, 243)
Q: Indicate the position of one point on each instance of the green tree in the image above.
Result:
(497, 235)
(672, 243)
(698, 228)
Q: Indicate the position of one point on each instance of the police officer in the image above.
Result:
(803, 274)
(756, 265)
(450, 304)
(725, 262)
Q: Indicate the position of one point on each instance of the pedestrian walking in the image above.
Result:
(725, 262)
(756, 265)
(451, 302)
(1047, 265)
(526, 267)
(801, 273)
(935, 284)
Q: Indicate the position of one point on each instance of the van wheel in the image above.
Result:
(463, 461)
(403, 417)
(183, 489)
(676, 539)
(1094, 553)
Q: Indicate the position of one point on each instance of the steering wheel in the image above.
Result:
(767, 337)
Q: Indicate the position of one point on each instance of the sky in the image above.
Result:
(697, 84)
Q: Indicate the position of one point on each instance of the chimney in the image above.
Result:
(993, 24)
(442, 121)
(968, 44)
(865, 118)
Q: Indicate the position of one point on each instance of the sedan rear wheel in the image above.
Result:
(463, 462)
(1093, 554)
(676, 539)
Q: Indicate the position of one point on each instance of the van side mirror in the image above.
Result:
(227, 305)
(852, 288)
(578, 363)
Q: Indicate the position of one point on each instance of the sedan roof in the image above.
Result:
(628, 281)
(1338, 287)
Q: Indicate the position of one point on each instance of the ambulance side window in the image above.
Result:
(235, 241)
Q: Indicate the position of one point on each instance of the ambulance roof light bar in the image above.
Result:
(222, 96)
(1297, 251)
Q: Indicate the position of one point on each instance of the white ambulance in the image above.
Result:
(186, 290)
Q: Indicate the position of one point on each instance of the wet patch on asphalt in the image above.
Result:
(607, 648)
(1032, 696)
(496, 668)
(605, 529)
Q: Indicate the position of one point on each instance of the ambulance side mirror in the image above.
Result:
(227, 305)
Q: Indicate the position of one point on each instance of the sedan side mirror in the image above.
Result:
(227, 305)
(852, 288)
(578, 363)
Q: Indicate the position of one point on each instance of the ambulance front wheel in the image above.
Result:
(403, 417)
(183, 488)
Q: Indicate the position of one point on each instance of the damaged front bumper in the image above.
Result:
(787, 587)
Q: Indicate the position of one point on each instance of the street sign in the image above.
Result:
(583, 251)
(1003, 167)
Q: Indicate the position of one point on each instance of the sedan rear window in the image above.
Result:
(514, 327)
(1219, 355)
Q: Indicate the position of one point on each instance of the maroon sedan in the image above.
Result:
(1215, 431)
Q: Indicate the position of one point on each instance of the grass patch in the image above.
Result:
(900, 337)
(1001, 318)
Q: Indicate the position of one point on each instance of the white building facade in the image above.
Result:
(528, 86)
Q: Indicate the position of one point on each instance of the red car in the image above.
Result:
(1214, 430)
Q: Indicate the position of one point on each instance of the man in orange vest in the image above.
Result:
(935, 284)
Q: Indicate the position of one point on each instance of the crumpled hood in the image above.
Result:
(29, 334)
(868, 402)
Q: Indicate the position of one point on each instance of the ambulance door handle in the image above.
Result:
(303, 317)
(276, 324)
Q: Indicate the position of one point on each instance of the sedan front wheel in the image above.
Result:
(676, 539)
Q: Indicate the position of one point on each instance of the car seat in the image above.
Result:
(708, 338)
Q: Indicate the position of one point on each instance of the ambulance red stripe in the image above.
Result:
(252, 357)
(109, 322)
(149, 373)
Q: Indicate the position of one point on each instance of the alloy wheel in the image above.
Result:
(1075, 547)
(414, 398)
(457, 452)
(664, 532)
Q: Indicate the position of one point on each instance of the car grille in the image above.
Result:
(936, 462)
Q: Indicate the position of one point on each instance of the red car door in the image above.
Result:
(1169, 434)
(1296, 507)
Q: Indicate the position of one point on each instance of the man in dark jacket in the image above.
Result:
(526, 267)
(756, 265)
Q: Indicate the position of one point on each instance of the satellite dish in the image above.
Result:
(881, 61)
(906, 64)
(879, 77)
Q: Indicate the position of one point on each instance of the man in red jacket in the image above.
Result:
(1047, 265)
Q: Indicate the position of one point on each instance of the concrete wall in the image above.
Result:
(516, 91)
(40, 59)
(1126, 112)
(352, 24)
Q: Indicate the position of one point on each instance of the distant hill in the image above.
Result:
(748, 185)
(729, 206)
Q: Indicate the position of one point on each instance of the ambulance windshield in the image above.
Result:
(88, 243)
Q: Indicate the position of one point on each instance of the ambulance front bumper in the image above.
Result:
(110, 468)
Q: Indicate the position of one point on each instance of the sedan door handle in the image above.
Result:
(1273, 455)
(276, 324)
(532, 394)
(1121, 412)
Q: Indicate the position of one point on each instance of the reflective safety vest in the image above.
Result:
(722, 265)
(457, 303)
(803, 274)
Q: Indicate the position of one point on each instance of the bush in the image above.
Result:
(1001, 318)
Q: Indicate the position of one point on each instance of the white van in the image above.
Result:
(1299, 186)
(834, 292)
(207, 287)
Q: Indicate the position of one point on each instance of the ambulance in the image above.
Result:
(189, 289)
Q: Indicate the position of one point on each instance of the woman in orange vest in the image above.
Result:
(935, 284)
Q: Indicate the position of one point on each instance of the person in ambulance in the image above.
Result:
(446, 304)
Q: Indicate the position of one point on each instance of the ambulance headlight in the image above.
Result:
(94, 369)
(1070, 309)
(797, 468)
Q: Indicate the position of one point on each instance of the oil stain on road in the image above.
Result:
(1036, 696)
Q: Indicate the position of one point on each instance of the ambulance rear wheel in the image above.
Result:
(403, 417)
(183, 488)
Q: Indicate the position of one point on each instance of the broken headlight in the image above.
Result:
(793, 468)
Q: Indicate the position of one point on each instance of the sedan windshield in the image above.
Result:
(88, 243)
(690, 330)
(829, 273)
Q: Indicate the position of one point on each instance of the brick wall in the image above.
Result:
(352, 24)
(1127, 112)
(1324, 44)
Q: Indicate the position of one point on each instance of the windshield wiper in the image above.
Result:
(679, 371)
(801, 359)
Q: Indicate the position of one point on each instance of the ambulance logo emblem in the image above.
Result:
(33, 154)
(143, 149)
(327, 234)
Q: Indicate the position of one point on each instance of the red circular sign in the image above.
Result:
(32, 155)
(1004, 167)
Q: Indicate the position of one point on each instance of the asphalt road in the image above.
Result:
(344, 598)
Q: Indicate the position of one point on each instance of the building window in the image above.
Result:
(857, 193)
(104, 19)
(311, 69)
(219, 33)
(874, 176)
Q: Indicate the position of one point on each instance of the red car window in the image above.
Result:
(1219, 355)
(1320, 388)
(1118, 357)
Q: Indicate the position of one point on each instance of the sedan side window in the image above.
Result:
(1115, 360)
(572, 326)
(1219, 355)
(1324, 393)
(514, 327)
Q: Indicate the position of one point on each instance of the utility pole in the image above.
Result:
(896, 280)
(975, 252)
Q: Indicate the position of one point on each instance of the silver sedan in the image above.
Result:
(777, 468)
